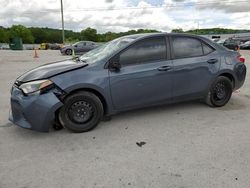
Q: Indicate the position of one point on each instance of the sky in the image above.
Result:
(123, 15)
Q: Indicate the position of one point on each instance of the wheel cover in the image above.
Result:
(80, 112)
(220, 91)
(68, 52)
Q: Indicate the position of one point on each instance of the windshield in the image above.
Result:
(76, 43)
(107, 49)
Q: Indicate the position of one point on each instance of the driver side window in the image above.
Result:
(145, 51)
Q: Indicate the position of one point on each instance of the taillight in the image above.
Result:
(241, 58)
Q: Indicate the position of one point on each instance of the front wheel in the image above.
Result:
(81, 112)
(220, 92)
(68, 52)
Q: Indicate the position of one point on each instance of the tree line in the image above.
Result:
(39, 35)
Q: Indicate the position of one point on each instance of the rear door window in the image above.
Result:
(185, 47)
(207, 49)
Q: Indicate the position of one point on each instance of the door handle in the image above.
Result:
(164, 68)
(212, 61)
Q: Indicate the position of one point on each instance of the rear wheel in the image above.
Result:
(220, 92)
(81, 112)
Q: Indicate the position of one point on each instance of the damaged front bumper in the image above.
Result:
(36, 112)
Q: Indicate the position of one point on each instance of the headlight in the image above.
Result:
(35, 87)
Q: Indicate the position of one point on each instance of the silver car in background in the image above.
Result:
(79, 47)
(245, 45)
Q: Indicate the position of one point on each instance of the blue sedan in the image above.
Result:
(127, 73)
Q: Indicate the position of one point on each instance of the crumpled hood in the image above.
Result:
(49, 70)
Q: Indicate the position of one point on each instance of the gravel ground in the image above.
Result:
(187, 145)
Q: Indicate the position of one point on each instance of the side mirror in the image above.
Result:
(115, 65)
(75, 46)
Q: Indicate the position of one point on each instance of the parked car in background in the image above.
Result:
(232, 44)
(50, 46)
(245, 45)
(221, 41)
(44, 46)
(215, 38)
(130, 72)
(79, 47)
(54, 46)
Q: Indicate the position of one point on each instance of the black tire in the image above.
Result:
(220, 92)
(68, 52)
(82, 111)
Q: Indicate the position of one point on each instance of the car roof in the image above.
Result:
(142, 35)
(146, 35)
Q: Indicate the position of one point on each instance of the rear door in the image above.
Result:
(194, 63)
(145, 76)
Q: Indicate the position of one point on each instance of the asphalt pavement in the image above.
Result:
(186, 145)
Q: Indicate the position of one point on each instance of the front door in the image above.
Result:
(145, 76)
